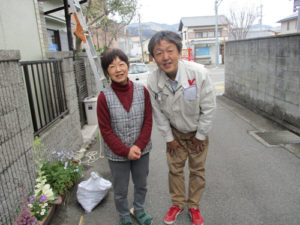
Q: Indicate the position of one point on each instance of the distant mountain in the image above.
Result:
(263, 27)
(150, 28)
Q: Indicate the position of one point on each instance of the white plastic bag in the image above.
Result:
(92, 191)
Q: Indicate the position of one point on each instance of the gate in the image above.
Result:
(81, 86)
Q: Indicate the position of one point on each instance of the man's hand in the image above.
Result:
(198, 145)
(172, 147)
(134, 153)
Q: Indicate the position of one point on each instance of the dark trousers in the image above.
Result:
(120, 174)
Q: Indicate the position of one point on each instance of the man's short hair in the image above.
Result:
(109, 55)
(167, 36)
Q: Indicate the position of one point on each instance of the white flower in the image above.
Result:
(47, 190)
(39, 186)
(45, 204)
(42, 213)
(30, 205)
(41, 179)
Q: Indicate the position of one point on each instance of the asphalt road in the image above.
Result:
(248, 183)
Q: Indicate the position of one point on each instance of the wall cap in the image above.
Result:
(267, 37)
(9, 55)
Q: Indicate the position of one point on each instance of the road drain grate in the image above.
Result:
(276, 137)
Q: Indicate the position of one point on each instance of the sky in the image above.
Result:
(170, 11)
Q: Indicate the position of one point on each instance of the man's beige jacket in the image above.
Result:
(192, 105)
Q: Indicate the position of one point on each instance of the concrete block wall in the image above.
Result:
(264, 74)
(17, 169)
(90, 80)
(65, 135)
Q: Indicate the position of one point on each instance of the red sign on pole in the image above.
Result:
(187, 54)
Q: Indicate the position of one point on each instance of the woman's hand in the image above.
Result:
(134, 153)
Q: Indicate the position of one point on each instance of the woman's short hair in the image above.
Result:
(167, 36)
(109, 55)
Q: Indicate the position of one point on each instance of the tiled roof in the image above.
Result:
(201, 21)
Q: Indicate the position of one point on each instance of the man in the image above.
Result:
(183, 102)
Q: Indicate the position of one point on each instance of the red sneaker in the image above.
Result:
(171, 215)
(196, 216)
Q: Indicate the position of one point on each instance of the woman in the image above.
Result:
(125, 121)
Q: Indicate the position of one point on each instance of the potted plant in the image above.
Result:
(62, 173)
(55, 176)
(42, 199)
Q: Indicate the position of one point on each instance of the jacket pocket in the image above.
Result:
(190, 107)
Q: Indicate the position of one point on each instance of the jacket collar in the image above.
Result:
(183, 78)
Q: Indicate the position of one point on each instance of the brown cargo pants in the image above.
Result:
(196, 168)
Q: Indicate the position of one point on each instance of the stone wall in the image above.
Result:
(17, 168)
(16, 135)
(264, 74)
(90, 80)
(65, 135)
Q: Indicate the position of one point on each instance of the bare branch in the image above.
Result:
(88, 8)
(95, 20)
(240, 22)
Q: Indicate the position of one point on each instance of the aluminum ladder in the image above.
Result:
(83, 34)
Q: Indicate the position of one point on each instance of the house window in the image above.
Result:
(198, 35)
(288, 26)
(211, 34)
(53, 40)
(205, 34)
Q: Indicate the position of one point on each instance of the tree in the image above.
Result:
(110, 16)
(240, 21)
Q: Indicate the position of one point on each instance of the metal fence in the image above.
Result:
(81, 87)
(46, 92)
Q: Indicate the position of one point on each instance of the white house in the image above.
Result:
(34, 27)
(289, 24)
(21, 29)
(55, 25)
(198, 34)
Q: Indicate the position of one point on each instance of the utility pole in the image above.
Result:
(298, 21)
(260, 16)
(126, 41)
(217, 3)
(297, 7)
(140, 34)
